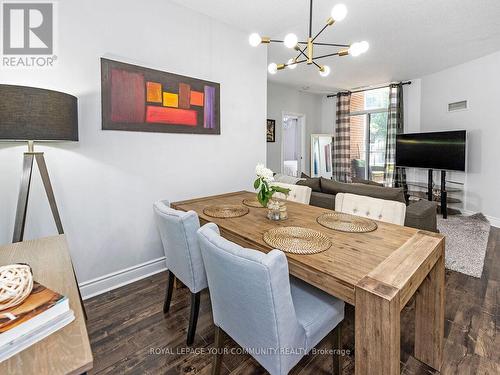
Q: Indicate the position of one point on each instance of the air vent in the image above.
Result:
(457, 106)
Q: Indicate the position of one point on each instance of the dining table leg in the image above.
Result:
(429, 317)
(377, 328)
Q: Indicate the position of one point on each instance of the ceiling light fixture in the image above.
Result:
(338, 13)
(291, 64)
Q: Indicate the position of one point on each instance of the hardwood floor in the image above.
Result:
(130, 334)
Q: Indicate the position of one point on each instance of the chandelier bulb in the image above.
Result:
(272, 68)
(291, 64)
(364, 46)
(358, 48)
(339, 12)
(324, 71)
(290, 40)
(254, 39)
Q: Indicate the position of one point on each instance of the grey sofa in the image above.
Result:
(420, 215)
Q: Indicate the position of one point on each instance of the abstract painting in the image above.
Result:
(271, 130)
(140, 99)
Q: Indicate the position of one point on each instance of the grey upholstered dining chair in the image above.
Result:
(277, 318)
(182, 254)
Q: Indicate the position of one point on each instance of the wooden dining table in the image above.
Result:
(377, 272)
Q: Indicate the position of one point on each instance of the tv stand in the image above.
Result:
(443, 192)
(444, 196)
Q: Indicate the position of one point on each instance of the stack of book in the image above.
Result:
(40, 315)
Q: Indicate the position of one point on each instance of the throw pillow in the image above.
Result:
(313, 182)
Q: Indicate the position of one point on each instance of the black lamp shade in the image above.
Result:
(33, 114)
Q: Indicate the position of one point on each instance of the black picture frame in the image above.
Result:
(271, 130)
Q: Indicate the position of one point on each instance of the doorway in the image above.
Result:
(292, 144)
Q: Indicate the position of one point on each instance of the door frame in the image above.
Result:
(301, 122)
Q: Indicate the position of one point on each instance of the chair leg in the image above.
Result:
(337, 347)
(219, 346)
(193, 318)
(168, 295)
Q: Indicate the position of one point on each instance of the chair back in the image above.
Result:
(182, 252)
(298, 193)
(372, 208)
(251, 298)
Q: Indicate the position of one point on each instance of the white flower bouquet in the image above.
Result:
(264, 178)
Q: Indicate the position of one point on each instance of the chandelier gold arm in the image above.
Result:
(309, 51)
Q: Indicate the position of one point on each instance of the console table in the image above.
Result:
(66, 351)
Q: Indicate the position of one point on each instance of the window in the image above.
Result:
(368, 133)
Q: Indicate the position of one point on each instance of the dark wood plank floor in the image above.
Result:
(131, 335)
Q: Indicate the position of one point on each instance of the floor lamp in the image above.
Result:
(32, 114)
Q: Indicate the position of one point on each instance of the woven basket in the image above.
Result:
(225, 211)
(346, 223)
(16, 283)
(297, 240)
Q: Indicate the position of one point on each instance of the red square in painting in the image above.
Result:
(172, 116)
(127, 96)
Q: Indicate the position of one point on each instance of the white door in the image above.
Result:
(292, 149)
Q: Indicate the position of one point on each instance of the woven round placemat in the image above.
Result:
(346, 223)
(252, 202)
(224, 211)
(297, 240)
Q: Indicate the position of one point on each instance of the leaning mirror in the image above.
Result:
(322, 155)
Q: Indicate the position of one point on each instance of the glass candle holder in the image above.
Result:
(273, 210)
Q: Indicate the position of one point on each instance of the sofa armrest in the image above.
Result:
(322, 200)
(422, 215)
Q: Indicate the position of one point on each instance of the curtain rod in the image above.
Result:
(368, 89)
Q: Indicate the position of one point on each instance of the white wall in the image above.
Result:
(281, 98)
(106, 183)
(411, 105)
(478, 82)
(328, 115)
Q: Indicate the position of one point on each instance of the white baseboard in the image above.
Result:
(120, 278)
(494, 221)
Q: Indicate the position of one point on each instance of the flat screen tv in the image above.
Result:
(439, 150)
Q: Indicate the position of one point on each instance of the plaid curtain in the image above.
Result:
(394, 176)
(342, 141)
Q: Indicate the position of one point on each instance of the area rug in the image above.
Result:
(466, 242)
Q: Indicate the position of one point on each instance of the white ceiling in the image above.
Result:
(408, 38)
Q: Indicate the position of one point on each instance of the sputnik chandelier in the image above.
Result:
(306, 53)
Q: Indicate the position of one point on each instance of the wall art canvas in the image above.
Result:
(271, 130)
(135, 98)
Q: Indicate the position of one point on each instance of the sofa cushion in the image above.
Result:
(322, 200)
(334, 187)
(358, 180)
(313, 182)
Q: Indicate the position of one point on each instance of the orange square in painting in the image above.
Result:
(153, 92)
(196, 98)
(170, 99)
